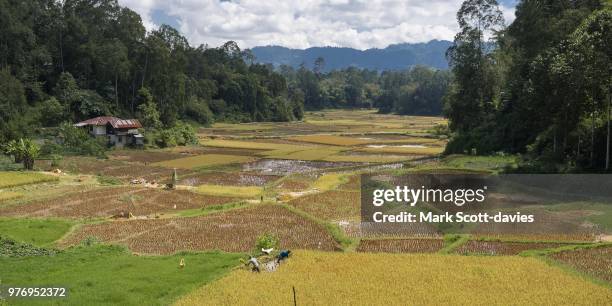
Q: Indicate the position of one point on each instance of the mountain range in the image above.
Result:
(393, 57)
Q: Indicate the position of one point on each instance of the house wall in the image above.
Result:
(99, 130)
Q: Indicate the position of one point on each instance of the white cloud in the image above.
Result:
(360, 24)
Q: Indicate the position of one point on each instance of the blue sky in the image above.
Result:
(360, 24)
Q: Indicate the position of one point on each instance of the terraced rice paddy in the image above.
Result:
(204, 160)
(300, 182)
(596, 262)
(232, 231)
(400, 245)
(113, 201)
(330, 205)
(503, 248)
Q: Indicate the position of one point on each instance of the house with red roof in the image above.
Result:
(119, 132)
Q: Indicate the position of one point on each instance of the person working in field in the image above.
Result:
(253, 261)
(284, 254)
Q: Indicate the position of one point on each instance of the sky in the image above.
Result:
(359, 24)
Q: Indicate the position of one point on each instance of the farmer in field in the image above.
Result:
(253, 261)
(284, 254)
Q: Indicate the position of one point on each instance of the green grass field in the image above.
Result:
(105, 275)
(34, 231)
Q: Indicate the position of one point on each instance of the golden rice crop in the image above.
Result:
(330, 140)
(231, 191)
(323, 278)
(329, 181)
(253, 145)
(204, 160)
(9, 195)
(330, 205)
(378, 158)
(15, 178)
(404, 150)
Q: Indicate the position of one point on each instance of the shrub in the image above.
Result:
(267, 241)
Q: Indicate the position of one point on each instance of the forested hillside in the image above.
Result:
(544, 90)
(75, 59)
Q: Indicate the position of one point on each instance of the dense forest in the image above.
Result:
(542, 90)
(75, 59)
(415, 91)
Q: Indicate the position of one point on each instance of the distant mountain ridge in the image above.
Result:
(393, 57)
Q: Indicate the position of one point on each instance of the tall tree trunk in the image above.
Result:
(608, 136)
(592, 138)
(116, 92)
(61, 49)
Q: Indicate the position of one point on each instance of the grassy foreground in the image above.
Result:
(100, 275)
(394, 279)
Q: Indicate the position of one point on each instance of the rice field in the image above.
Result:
(596, 261)
(13, 178)
(300, 181)
(400, 245)
(231, 231)
(330, 205)
(113, 201)
(330, 140)
(230, 191)
(9, 195)
(204, 160)
(321, 278)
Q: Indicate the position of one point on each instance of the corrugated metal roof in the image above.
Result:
(115, 122)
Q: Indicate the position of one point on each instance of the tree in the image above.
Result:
(148, 113)
(592, 42)
(29, 150)
(471, 96)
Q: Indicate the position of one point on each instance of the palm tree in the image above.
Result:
(29, 151)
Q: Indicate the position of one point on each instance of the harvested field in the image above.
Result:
(205, 160)
(14, 178)
(118, 169)
(113, 201)
(502, 248)
(231, 231)
(330, 205)
(400, 245)
(145, 157)
(551, 226)
(395, 230)
(596, 261)
(230, 178)
(293, 185)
